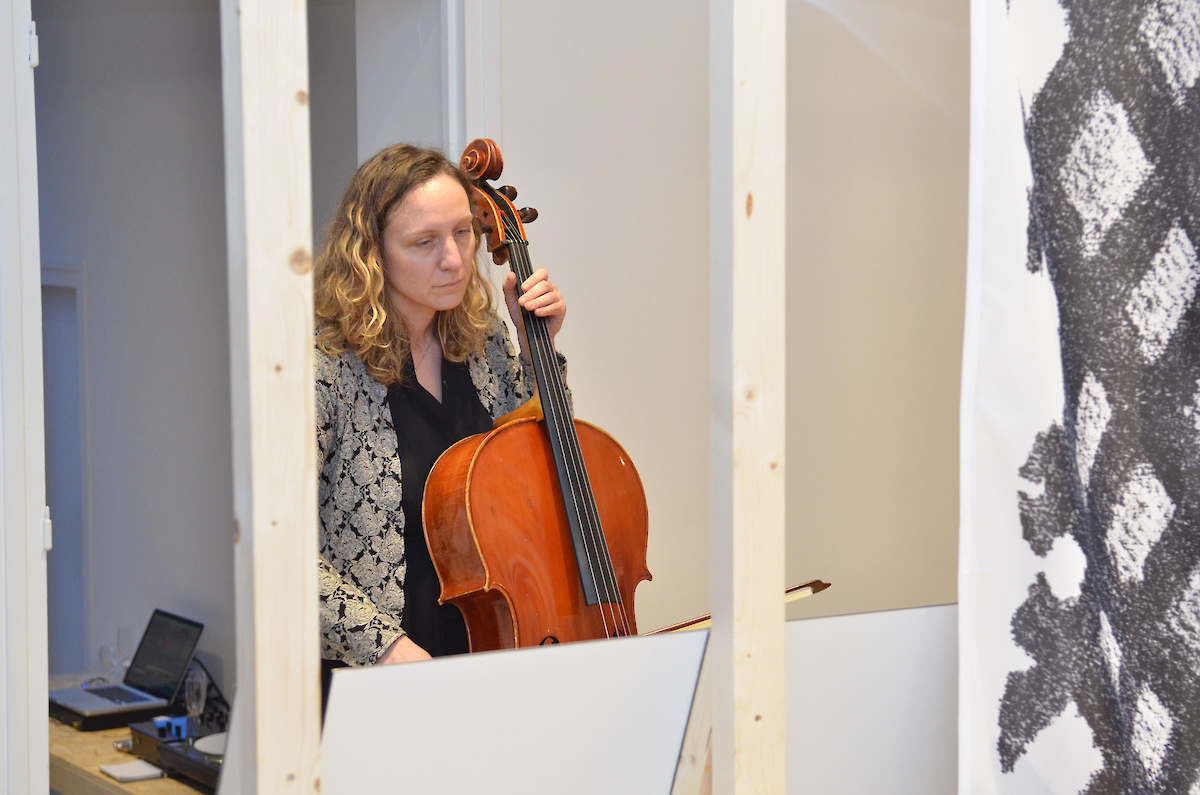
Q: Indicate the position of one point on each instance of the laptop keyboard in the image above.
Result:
(117, 694)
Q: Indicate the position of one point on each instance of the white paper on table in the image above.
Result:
(139, 770)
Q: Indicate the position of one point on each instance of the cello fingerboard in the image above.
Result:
(591, 550)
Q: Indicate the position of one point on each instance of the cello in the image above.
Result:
(537, 529)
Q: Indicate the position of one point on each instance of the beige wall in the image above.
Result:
(877, 241)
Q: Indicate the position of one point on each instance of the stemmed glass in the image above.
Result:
(110, 664)
(195, 693)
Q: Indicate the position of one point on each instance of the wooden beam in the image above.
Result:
(24, 755)
(748, 105)
(693, 773)
(274, 737)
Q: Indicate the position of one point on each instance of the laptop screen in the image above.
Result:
(162, 657)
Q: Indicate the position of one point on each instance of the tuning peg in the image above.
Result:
(528, 215)
(509, 192)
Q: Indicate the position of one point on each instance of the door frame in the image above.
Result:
(22, 442)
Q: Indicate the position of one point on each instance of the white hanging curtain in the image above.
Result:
(1080, 551)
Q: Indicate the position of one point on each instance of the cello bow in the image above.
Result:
(789, 595)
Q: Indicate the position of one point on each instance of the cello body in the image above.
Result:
(497, 532)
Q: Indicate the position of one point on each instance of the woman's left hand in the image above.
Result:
(538, 296)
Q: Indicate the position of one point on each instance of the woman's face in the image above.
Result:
(428, 248)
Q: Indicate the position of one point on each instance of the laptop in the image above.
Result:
(154, 676)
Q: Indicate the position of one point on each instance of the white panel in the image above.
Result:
(598, 717)
(872, 703)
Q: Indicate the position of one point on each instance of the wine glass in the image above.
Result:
(195, 693)
(126, 644)
(110, 665)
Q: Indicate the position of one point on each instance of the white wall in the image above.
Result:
(68, 563)
(332, 104)
(399, 64)
(131, 180)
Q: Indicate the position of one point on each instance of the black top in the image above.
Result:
(425, 428)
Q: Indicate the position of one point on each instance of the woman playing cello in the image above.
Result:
(411, 357)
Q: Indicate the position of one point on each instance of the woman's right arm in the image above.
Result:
(403, 650)
(353, 629)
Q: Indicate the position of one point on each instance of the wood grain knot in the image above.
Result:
(300, 261)
(302, 97)
(749, 204)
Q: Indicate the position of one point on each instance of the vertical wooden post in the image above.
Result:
(24, 749)
(747, 123)
(693, 773)
(276, 709)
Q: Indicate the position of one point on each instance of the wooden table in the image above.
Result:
(75, 759)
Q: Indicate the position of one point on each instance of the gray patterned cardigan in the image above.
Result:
(362, 564)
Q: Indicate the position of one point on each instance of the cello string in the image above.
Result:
(599, 565)
(596, 547)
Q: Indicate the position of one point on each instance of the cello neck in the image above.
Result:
(542, 355)
(591, 549)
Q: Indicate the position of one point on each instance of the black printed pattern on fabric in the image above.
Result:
(1114, 141)
(361, 524)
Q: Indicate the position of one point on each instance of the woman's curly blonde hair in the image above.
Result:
(351, 282)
